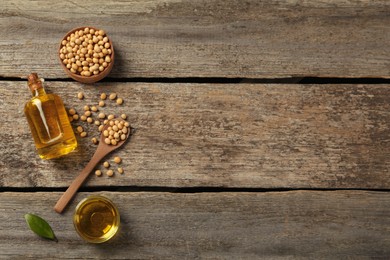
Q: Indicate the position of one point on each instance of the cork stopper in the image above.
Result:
(34, 82)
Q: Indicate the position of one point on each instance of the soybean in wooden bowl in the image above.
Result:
(86, 54)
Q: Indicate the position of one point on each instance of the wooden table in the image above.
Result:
(262, 129)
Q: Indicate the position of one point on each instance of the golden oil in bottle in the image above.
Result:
(96, 219)
(49, 123)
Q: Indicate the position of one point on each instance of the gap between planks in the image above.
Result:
(180, 190)
(219, 80)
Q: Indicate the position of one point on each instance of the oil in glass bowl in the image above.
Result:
(96, 219)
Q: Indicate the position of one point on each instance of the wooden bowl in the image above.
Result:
(93, 78)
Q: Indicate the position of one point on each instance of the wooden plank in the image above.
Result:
(228, 135)
(202, 38)
(296, 224)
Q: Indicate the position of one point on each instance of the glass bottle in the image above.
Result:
(49, 123)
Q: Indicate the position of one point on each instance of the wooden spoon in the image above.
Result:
(102, 150)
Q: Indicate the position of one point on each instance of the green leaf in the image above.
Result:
(40, 227)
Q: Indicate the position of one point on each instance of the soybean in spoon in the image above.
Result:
(104, 148)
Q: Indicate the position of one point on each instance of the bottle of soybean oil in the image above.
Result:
(49, 123)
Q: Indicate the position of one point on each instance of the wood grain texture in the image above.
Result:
(228, 135)
(298, 224)
(202, 38)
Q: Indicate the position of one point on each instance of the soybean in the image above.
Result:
(117, 159)
(119, 101)
(110, 173)
(112, 96)
(72, 111)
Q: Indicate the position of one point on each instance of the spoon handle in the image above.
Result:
(79, 180)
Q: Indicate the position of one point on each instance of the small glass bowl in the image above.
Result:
(96, 219)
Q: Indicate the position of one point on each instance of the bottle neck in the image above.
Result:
(38, 92)
(35, 85)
